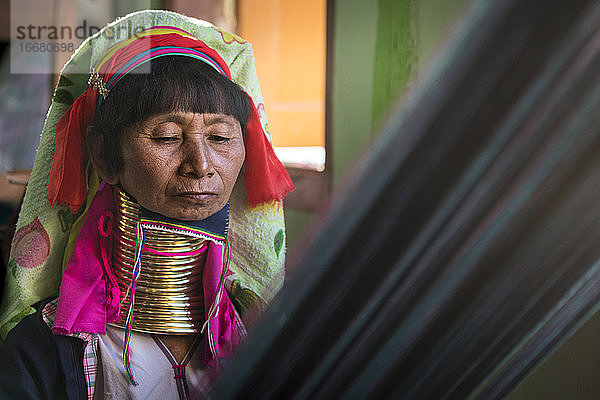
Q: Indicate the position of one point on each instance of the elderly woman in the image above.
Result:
(138, 211)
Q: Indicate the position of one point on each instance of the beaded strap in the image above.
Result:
(131, 290)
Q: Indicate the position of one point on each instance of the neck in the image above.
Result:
(167, 295)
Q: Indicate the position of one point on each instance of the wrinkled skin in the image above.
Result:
(182, 165)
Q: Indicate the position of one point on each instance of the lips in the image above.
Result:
(202, 196)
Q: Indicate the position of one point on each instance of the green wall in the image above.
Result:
(395, 55)
(379, 48)
(353, 67)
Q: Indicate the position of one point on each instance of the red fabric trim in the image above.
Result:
(67, 185)
(266, 178)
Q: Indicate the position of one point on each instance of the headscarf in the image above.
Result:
(45, 235)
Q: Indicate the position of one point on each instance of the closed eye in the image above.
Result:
(165, 139)
(219, 139)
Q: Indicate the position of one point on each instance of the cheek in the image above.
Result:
(231, 166)
(144, 168)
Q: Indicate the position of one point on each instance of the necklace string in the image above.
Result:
(179, 368)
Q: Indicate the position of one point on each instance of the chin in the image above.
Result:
(193, 215)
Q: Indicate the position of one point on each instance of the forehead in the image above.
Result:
(192, 120)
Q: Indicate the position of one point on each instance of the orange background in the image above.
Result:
(288, 37)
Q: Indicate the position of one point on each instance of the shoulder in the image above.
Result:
(30, 359)
(30, 333)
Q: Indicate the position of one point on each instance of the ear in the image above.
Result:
(95, 147)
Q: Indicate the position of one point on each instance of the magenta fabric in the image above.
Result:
(221, 326)
(82, 300)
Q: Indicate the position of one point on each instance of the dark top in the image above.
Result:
(36, 364)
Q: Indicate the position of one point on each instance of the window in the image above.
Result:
(289, 40)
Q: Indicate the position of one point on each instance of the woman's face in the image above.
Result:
(182, 165)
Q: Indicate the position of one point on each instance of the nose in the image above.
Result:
(196, 158)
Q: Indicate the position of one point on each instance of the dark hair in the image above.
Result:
(174, 83)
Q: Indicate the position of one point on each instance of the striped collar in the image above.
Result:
(214, 228)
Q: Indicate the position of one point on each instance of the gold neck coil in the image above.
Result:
(169, 296)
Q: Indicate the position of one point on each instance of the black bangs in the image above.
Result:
(174, 83)
(185, 84)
